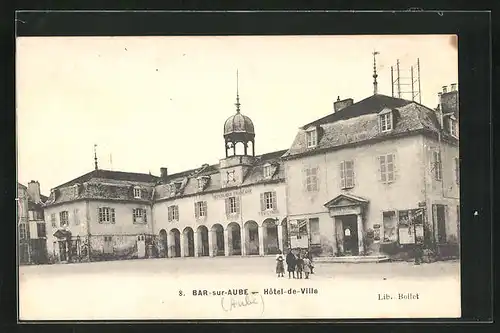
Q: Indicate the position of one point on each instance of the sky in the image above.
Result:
(152, 102)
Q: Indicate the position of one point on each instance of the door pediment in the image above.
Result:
(345, 204)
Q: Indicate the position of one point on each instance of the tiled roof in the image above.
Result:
(369, 105)
(189, 179)
(112, 175)
(410, 117)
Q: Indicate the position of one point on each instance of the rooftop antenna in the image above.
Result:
(95, 156)
(237, 93)
(375, 84)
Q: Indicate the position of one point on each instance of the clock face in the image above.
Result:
(230, 177)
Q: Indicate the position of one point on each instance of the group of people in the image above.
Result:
(295, 264)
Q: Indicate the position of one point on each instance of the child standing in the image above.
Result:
(280, 267)
(307, 266)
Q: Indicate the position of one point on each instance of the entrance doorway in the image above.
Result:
(350, 234)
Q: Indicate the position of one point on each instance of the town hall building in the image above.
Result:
(369, 178)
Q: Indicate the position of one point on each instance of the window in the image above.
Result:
(53, 220)
(386, 122)
(76, 216)
(268, 201)
(173, 213)
(137, 192)
(387, 168)
(139, 215)
(200, 209)
(457, 170)
(453, 127)
(233, 205)
(347, 174)
(41, 231)
(311, 179)
(436, 165)
(106, 215)
(23, 233)
(267, 171)
(201, 184)
(315, 233)
(63, 219)
(312, 138)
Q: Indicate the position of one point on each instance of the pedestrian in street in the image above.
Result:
(280, 266)
(311, 265)
(290, 263)
(307, 267)
(299, 266)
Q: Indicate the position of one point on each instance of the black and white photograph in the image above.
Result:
(238, 177)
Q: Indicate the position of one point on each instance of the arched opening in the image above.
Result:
(218, 239)
(175, 248)
(252, 238)
(239, 148)
(270, 236)
(163, 244)
(188, 242)
(202, 234)
(234, 238)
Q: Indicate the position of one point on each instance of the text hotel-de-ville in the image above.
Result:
(351, 183)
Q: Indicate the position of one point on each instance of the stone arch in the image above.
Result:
(202, 234)
(234, 238)
(163, 244)
(188, 235)
(217, 231)
(251, 237)
(175, 244)
(270, 236)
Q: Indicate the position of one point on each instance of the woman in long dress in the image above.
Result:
(290, 263)
(307, 267)
(280, 267)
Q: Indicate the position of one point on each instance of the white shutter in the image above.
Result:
(112, 212)
(275, 203)
(205, 210)
(262, 202)
(196, 213)
(237, 204)
(228, 205)
(342, 175)
(394, 167)
(382, 168)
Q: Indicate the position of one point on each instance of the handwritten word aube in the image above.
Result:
(231, 303)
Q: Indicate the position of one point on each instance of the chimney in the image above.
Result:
(163, 173)
(453, 87)
(445, 89)
(342, 104)
(34, 191)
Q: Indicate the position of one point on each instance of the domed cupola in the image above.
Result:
(239, 129)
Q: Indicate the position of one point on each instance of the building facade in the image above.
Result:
(370, 178)
(32, 235)
(375, 176)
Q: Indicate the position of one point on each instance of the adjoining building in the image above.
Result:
(32, 237)
(375, 175)
(369, 178)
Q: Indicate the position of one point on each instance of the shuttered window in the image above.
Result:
(232, 205)
(387, 164)
(436, 166)
(200, 209)
(76, 216)
(311, 179)
(63, 218)
(386, 122)
(314, 229)
(173, 213)
(53, 220)
(347, 174)
(268, 201)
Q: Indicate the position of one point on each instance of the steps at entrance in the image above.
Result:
(352, 259)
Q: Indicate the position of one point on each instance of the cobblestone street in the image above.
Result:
(151, 289)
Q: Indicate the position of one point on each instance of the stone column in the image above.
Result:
(261, 241)
(226, 242)
(211, 249)
(360, 234)
(196, 242)
(182, 244)
(170, 245)
(243, 232)
(280, 238)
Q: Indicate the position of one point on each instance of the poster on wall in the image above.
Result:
(411, 226)
(299, 237)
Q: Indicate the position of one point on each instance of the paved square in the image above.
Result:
(151, 288)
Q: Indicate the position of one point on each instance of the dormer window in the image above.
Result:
(202, 182)
(137, 192)
(386, 120)
(267, 171)
(312, 137)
